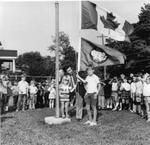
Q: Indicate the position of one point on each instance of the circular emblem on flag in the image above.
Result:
(98, 56)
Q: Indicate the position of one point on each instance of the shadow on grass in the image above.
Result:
(5, 118)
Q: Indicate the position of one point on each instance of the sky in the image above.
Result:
(29, 25)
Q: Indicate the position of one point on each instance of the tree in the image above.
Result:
(138, 51)
(67, 53)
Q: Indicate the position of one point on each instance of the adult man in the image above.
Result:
(23, 93)
(72, 83)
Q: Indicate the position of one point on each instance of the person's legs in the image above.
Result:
(24, 102)
(19, 102)
(88, 102)
(35, 100)
(66, 109)
(62, 109)
(103, 102)
(79, 106)
(49, 103)
(148, 107)
(53, 103)
(89, 112)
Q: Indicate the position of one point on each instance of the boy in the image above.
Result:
(92, 88)
(33, 95)
(23, 93)
(15, 93)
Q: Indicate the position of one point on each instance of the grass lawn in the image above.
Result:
(114, 128)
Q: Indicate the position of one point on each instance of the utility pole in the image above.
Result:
(103, 44)
(57, 57)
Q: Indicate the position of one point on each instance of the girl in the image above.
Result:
(114, 93)
(125, 89)
(133, 94)
(33, 95)
(65, 89)
(52, 95)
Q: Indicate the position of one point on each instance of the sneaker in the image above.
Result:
(88, 122)
(93, 123)
(6, 109)
(120, 109)
(131, 110)
(63, 116)
(114, 109)
(148, 120)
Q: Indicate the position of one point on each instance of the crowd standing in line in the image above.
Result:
(117, 93)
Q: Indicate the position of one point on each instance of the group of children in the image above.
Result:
(26, 95)
(132, 93)
(118, 93)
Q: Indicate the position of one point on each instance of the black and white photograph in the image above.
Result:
(75, 72)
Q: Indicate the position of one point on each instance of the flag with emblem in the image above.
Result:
(98, 55)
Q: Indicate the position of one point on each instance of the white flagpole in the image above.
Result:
(79, 37)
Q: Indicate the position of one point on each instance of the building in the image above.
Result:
(8, 56)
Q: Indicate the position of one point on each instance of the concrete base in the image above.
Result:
(53, 120)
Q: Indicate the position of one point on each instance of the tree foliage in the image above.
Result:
(66, 52)
(32, 63)
(138, 51)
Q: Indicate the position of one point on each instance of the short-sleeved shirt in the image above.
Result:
(33, 89)
(92, 83)
(146, 90)
(23, 87)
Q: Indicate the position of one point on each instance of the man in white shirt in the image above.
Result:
(23, 93)
(92, 87)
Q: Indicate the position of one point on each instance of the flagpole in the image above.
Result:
(79, 37)
(57, 57)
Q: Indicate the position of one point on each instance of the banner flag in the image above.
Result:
(98, 55)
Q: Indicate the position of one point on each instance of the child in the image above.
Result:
(101, 96)
(52, 95)
(107, 92)
(40, 95)
(15, 93)
(114, 93)
(125, 88)
(139, 91)
(23, 93)
(65, 89)
(92, 87)
(133, 95)
(33, 95)
(146, 94)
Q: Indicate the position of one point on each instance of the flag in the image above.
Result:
(128, 28)
(98, 55)
(104, 22)
(89, 15)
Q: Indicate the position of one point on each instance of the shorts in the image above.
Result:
(138, 98)
(114, 96)
(91, 99)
